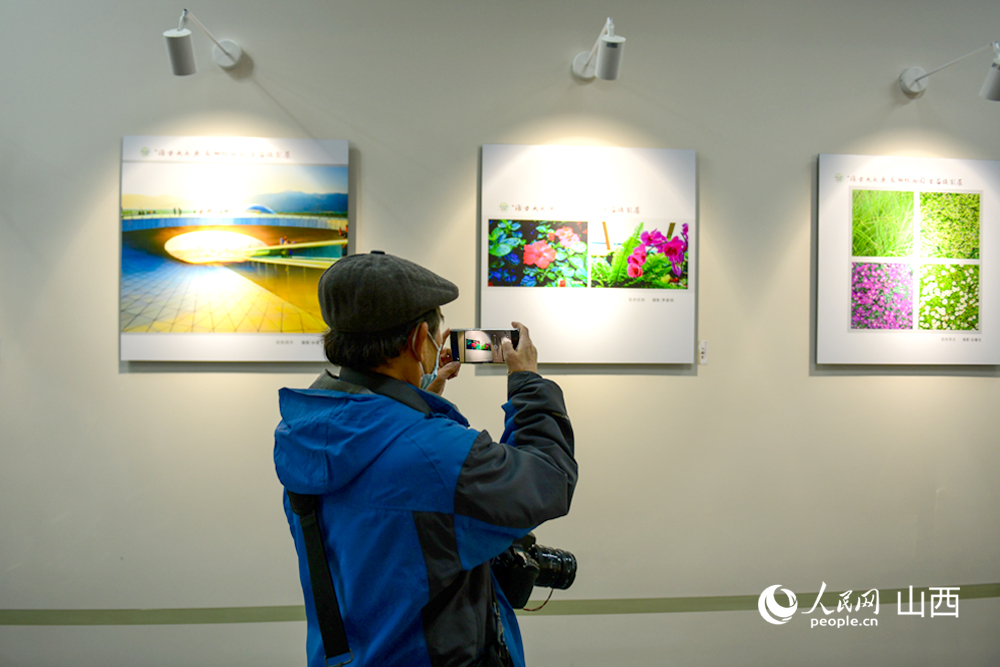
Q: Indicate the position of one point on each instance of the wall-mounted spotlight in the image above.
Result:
(608, 48)
(226, 53)
(914, 80)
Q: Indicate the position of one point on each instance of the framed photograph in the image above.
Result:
(223, 241)
(594, 248)
(908, 250)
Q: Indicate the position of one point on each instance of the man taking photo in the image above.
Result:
(411, 502)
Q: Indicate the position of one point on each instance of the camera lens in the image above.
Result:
(556, 567)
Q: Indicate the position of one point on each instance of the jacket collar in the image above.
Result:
(392, 388)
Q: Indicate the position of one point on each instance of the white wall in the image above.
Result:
(151, 486)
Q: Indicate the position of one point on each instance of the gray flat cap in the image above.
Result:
(366, 293)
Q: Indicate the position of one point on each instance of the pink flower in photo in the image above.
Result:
(539, 253)
(638, 256)
(675, 250)
(566, 236)
(653, 239)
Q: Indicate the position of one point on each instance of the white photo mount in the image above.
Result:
(930, 299)
(597, 196)
(274, 212)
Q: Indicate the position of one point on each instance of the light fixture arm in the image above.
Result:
(608, 29)
(913, 80)
(995, 45)
(185, 14)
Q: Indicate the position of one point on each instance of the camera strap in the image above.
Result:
(496, 653)
(306, 507)
(331, 625)
(503, 654)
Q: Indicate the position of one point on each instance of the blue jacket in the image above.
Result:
(414, 505)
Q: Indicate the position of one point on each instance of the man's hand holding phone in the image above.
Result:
(447, 367)
(525, 356)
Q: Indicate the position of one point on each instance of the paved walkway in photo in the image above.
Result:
(162, 295)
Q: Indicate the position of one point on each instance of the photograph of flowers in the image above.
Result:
(884, 226)
(906, 251)
(594, 248)
(649, 255)
(537, 253)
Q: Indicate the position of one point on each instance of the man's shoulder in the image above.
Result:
(339, 402)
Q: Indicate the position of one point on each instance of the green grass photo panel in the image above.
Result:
(949, 225)
(882, 223)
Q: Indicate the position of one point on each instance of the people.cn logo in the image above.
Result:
(773, 612)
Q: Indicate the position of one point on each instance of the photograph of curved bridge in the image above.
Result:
(230, 248)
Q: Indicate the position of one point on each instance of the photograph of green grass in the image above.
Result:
(883, 226)
(949, 226)
(905, 254)
(882, 223)
(949, 297)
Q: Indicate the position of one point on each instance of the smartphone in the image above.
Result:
(480, 346)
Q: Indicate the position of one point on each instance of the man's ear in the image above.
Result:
(419, 339)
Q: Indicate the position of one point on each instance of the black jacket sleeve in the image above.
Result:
(531, 478)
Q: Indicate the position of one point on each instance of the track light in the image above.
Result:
(608, 48)
(914, 80)
(180, 49)
(991, 86)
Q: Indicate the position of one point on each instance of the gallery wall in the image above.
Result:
(150, 486)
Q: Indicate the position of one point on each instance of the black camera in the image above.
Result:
(527, 564)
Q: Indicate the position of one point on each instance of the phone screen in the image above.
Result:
(480, 346)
